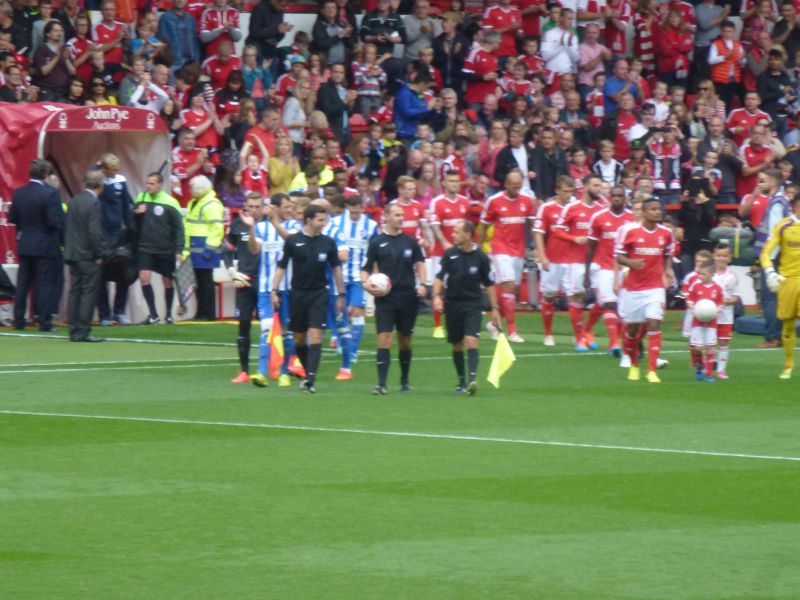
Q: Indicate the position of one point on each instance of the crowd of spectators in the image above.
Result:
(658, 97)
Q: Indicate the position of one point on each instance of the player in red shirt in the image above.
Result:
(704, 335)
(219, 23)
(446, 211)
(480, 70)
(741, 120)
(552, 250)
(512, 215)
(506, 20)
(413, 213)
(754, 206)
(187, 161)
(219, 66)
(603, 229)
(646, 250)
(573, 228)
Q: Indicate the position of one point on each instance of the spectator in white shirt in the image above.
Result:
(560, 46)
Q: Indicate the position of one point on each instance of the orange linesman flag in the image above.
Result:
(275, 345)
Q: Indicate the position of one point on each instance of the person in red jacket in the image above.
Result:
(674, 42)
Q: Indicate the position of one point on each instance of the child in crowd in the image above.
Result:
(369, 80)
(529, 56)
(660, 102)
(255, 175)
(595, 108)
(607, 167)
(700, 257)
(578, 169)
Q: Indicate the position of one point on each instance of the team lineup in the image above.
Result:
(306, 266)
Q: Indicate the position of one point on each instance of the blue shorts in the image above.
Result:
(355, 294)
(265, 309)
(332, 316)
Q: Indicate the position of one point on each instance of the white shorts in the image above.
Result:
(686, 328)
(639, 306)
(432, 268)
(605, 285)
(507, 268)
(575, 276)
(553, 280)
(703, 336)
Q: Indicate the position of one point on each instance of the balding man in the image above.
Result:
(621, 82)
(406, 164)
(512, 215)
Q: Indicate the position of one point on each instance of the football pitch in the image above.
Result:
(134, 469)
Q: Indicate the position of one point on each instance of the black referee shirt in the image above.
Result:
(310, 258)
(396, 257)
(464, 274)
(238, 236)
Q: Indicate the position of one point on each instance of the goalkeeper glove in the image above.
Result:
(774, 280)
(240, 280)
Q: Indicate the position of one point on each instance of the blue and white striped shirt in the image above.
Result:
(334, 231)
(271, 251)
(356, 236)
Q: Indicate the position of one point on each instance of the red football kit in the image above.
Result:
(447, 214)
(510, 218)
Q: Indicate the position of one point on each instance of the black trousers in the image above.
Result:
(43, 275)
(206, 296)
(105, 311)
(85, 283)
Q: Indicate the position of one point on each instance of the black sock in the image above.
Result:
(458, 360)
(314, 352)
(302, 355)
(149, 297)
(169, 296)
(383, 358)
(405, 365)
(472, 358)
(243, 344)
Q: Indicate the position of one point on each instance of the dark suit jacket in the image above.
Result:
(37, 213)
(548, 168)
(84, 235)
(506, 162)
(328, 101)
(395, 168)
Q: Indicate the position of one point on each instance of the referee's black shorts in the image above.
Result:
(163, 264)
(462, 319)
(396, 311)
(308, 309)
(246, 302)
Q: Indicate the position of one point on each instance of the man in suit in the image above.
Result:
(37, 213)
(84, 251)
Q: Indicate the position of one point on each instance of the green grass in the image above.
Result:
(194, 504)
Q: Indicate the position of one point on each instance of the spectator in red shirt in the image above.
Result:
(219, 23)
(480, 70)
(187, 161)
(267, 131)
(109, 35)
(220, 66)
(758, 155)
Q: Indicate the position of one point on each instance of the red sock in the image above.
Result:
(611, 320)
(548, 310)
(710, 359)
(509, 303)
(697, 356)
(576, 318)
(631, 347)
(594, 316)
(437, 318)
(653, 349)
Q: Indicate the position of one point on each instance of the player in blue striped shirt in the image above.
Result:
(357, 229)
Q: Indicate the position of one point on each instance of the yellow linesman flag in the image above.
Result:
(501, 361)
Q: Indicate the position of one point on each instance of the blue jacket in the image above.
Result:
(409, 109)
(180, 34)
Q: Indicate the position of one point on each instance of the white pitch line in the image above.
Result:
(45, 366)
(131, 368)
(408, 434)
(116, 362)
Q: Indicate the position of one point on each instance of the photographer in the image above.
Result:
(729, 163)
(695, 217)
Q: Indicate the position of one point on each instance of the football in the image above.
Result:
(379, 284)
(705, 310)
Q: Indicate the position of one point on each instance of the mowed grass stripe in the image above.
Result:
(406, 434)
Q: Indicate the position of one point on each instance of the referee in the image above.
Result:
(465, 270)
(243, 275)
(397, 256)
(311, 253)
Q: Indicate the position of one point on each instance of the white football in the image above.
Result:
(705, 310)
(379, 284)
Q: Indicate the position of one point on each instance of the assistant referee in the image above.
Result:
(399, 257)
(465, 271)
(311, 253)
